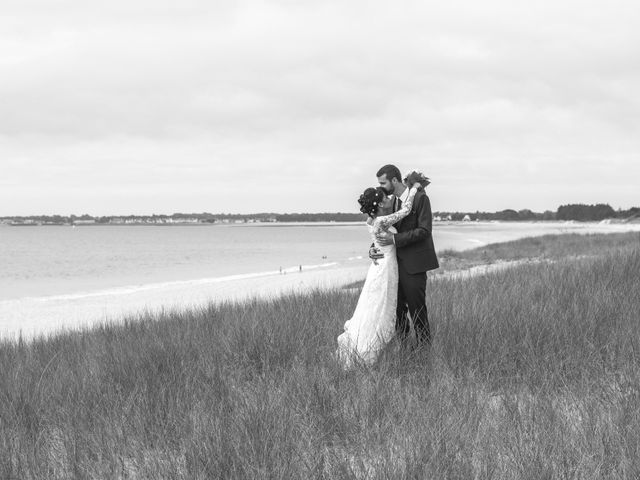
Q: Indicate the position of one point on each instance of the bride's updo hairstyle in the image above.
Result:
(370, 200)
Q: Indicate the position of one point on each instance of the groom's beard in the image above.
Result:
(388, 191)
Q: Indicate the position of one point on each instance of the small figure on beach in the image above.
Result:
(400, 223)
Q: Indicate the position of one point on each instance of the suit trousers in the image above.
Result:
(411, 300)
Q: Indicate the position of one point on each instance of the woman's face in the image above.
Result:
(386, 205)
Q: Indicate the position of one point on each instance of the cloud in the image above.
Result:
(307, 99)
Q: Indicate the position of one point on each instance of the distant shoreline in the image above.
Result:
(571, 212)
(187, 224)
(321, 223)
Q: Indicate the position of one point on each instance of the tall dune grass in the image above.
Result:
(533, 373)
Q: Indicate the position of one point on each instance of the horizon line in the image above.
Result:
(297, 213)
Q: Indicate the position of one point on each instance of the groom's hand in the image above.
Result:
(385, 238)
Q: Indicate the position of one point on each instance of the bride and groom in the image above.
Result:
(399, 222)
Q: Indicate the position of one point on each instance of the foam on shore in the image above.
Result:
(132, 289)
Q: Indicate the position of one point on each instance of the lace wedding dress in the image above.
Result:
(373, 323)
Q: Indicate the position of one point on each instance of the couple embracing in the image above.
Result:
(399, 222)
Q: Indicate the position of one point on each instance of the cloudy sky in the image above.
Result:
(141, 106)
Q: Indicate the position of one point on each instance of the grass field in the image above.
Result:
(533, 374)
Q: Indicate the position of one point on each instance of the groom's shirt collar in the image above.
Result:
(404, 195)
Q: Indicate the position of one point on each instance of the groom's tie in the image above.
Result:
(398, 204)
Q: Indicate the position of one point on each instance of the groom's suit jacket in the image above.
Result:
(414, 242)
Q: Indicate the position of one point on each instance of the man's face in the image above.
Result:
(387, 185)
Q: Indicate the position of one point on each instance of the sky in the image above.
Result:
(147, 106)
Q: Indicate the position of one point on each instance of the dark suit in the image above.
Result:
(416, 256)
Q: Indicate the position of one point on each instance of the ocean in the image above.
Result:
(55, 260)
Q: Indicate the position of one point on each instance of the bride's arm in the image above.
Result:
(386, 221)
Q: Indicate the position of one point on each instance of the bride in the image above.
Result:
(373, 322)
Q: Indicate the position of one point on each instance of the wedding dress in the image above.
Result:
(373, 323)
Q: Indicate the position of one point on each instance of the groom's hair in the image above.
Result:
(391, 171)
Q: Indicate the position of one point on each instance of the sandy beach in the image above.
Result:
(31, 317)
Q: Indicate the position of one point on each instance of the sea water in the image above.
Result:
(57, 260)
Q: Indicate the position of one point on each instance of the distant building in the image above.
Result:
(84, 222)
(27, 222)
(184, 220)
(466, 218)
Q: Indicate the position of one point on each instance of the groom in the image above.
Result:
(416, 255)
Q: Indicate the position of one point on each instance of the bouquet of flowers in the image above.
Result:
(416, 177)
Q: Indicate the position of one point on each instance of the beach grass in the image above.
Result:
(532, 374)
(544, 247)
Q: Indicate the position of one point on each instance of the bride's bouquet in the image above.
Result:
(416, 177)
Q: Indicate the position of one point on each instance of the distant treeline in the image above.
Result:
(320, 217)
(204, 217)
(577, 212)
